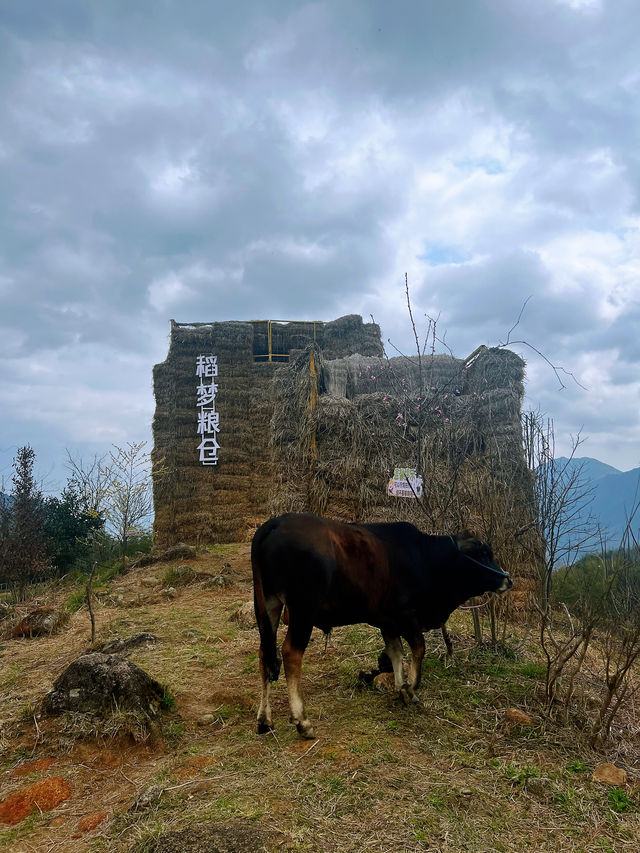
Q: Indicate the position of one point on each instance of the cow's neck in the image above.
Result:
(442, 599)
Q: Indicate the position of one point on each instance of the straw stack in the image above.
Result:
(324, 430)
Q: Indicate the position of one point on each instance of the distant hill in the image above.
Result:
(615, 494)
(592, 469)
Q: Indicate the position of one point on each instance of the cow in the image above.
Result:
(329, 573)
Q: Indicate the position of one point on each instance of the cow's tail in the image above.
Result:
(265, 615)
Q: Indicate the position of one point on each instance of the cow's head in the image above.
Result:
(482, 572)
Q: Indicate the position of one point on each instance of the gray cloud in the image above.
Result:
(208, 160)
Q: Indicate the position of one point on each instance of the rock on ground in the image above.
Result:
(42, 620)
(147, 798)
(245, 616)
(125, 644)
(513, 715)
(98, 683)
(610, 774)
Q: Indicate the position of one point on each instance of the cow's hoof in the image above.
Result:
(305, 730)
(416, 700)
(405, 695)
(264, 728)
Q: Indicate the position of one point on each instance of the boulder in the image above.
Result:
(99, 683)
(42, 620)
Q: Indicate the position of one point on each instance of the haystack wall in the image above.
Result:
(279, 451)
(212, 503)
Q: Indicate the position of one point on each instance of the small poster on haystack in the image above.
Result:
(405, 483)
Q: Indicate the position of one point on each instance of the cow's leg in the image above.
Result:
(273, 608)
(416, 642)
(293, 649)
(393, 648)
(265, 721)
(447, 639)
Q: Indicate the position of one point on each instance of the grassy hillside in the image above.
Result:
(453, 775)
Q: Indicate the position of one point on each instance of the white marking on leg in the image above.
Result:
(292, 659)
(393, 649)
(264, 711)
(265, 721)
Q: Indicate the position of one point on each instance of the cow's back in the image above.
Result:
(285, 543)
(332, 573)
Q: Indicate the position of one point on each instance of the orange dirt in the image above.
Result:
(32, 767)
(44, 795)
(89, 822)
(196, 763)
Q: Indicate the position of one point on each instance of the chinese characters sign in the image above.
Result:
(208, 418)
(398, 486)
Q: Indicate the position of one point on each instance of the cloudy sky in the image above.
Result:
(213, 160)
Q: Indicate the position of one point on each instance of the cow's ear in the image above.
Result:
(464, 536)
(467, 541)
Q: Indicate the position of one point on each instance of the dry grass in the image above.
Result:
(451, 776)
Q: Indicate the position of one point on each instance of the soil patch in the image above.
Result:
(38, 766)
(88, 823)
(44, 796)
(234, 838)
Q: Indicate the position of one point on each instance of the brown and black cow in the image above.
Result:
(388, 575)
